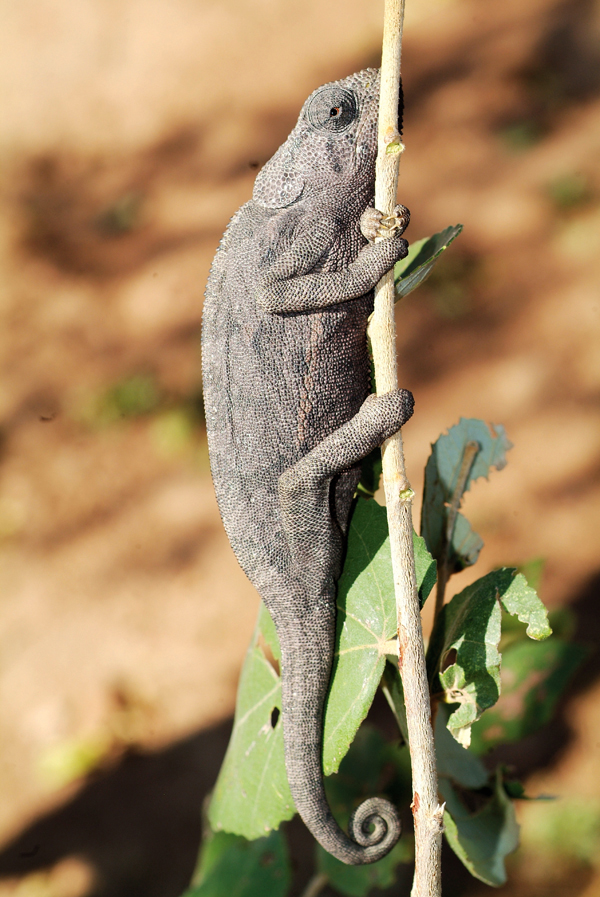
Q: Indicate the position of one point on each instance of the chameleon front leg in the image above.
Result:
(289, 285)
(306, 625)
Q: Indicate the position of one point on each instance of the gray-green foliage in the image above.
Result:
(252, 798)
(533, 678)
(366, 625)
(464, 659)
(461, 547)
(410, 272)
(482, 839)
(453, 762)
(463, 654)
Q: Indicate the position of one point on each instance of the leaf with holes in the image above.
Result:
(234, 866)
(252, 795)
(410, 272)
(444, 486)
(463, 652)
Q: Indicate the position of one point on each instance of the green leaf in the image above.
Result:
(232, 866)
(454, 762)
(367, 764)
(534, 675)
(521, 601)
(516, 790)
(447, 478)
(483, 839)
(252, 794)
(410, 272)
(464, 644)
(366, 625)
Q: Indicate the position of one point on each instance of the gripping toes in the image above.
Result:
(369, 223)
(399, 221)
(374, 223)
(389, 412)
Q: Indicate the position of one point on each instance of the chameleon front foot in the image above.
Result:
(374, 223)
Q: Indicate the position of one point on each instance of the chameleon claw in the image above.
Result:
(375, 224)
(370, 222)
(394, 225)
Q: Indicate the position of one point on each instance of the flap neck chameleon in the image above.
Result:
(289, 413)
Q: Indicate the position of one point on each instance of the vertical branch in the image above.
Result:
(427, 813)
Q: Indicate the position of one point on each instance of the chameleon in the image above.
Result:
(289, 414)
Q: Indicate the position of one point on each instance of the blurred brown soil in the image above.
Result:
(131, 132)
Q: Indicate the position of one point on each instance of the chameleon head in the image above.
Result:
(334, 139)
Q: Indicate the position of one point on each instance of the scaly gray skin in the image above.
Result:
(288, 411)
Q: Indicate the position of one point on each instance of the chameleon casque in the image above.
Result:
(288, 412)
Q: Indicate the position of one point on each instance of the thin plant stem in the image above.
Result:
(427, 813)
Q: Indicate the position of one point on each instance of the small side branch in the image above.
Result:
(427, 812)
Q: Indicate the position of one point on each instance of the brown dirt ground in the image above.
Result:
(131, 132)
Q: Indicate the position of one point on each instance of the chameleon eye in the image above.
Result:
(332, 109)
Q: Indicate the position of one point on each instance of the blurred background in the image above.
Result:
(131, 131)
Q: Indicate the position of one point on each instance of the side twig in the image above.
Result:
(427, 813)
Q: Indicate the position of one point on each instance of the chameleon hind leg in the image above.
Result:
(306, 625)
(312, 532)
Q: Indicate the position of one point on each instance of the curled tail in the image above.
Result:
(306, 665)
